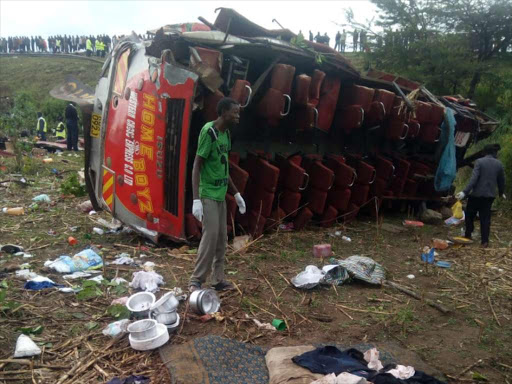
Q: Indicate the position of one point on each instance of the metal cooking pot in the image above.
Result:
(143, 329)
(166, 318)
(140, 303)
(167, 303)
(204, 301)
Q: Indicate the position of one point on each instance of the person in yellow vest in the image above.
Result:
(98, 47)
(103, 46)
(88, 47)
(60, 132)
(57, 44)
(41, 126)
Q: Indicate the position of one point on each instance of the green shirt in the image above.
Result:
(213, 146)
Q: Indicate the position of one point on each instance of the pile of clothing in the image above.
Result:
(353, 367)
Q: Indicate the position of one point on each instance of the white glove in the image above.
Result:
(197, 210)
(240, 202)
(460, 195)
(504, 197)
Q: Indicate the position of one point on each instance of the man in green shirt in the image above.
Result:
(210, 182)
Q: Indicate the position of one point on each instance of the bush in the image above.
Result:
(53, 109)
(71, 186)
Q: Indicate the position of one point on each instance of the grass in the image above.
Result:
(19, 73)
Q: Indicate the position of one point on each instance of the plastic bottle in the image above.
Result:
(18, 211)
(98, 231)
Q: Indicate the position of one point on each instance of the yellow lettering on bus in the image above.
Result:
(144, 193)
(146, 150)
(147, 133)
(139, 165)
(145, 206)
(141, 179)
(149, 101)
(148, 118)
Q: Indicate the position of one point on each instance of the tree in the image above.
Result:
(22, 116)
(488, 25)
(467, 34)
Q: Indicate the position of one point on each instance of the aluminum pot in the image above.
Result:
(143, 329)
(204, 301)
(166, 317)
(167, 303)
(140, 303)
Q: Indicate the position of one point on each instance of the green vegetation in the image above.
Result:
(452, 47)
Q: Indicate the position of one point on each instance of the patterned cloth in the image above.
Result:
(363, 268)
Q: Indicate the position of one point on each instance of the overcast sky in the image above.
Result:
(45, 18)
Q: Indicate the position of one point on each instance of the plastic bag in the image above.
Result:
(117, 328)
(44, 198)
(26, 347)
(82, 261)
(147, 281)
(457, 211)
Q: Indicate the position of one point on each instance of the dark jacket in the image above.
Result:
(71, 114)
(487, 174)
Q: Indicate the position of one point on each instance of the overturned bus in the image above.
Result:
(317, 141)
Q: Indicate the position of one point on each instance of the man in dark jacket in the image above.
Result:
(481, 189)
(72, 126)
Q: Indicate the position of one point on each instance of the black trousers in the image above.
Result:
(482, 206)
(72, 135)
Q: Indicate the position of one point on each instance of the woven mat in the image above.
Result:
(217, 360)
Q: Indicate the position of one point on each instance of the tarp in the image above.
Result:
(447, 169)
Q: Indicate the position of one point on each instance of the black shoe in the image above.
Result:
(224, 285)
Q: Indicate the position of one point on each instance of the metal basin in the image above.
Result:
(166, 318)
(140, 304)
(143, 329)
(167, 303)
(204, 301)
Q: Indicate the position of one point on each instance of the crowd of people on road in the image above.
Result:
(97, 45)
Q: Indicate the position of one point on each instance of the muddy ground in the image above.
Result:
(474, 340)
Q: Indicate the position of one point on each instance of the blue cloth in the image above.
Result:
(447, 169)
(133, 379)
(329, 359)
(38, 285)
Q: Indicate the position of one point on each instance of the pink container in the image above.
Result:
(322, 250)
